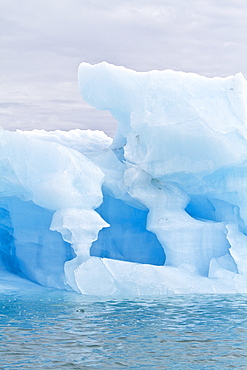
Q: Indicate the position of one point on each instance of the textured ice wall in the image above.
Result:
(182, 138)
(160, 209)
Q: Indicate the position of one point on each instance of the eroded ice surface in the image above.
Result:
(160, 209)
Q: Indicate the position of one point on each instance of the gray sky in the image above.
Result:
(44, 41)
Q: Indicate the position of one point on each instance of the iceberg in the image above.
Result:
(159, 209)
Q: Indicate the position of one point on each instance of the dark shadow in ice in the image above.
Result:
(28, 247)
(127, 238)
(211, 209)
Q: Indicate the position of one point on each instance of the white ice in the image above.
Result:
(160, 209)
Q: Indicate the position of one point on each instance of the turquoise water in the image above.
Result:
(60, 330)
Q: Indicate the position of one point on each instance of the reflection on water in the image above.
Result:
(66, 331)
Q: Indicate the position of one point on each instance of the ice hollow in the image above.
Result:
(161, 208)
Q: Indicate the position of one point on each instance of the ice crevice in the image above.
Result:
(160, 209)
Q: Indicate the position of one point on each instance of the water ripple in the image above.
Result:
(67, 331)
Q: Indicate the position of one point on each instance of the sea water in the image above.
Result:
(61, 330)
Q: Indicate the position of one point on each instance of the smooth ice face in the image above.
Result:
(171, 123)
(160, 209)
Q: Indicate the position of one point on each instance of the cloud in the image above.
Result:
(44, 41)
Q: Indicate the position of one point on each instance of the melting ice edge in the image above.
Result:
(160, 209)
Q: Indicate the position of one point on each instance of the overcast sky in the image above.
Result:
(44, 41)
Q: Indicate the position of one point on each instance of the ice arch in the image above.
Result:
(28, 247)
(127, 238)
